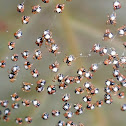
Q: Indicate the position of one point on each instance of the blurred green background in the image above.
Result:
(76, 30)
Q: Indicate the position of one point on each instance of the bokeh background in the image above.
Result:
(76, 30)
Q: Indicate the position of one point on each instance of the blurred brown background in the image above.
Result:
(76, 30)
